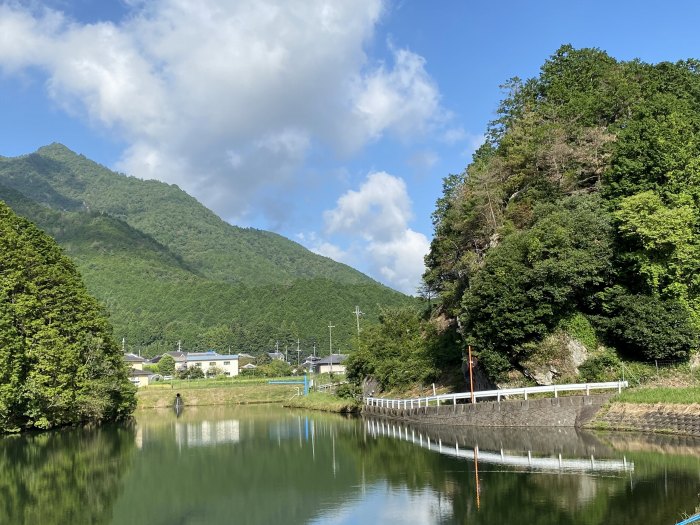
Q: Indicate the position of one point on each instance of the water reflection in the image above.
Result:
(222, 465)
(71, 476)
(523, 459)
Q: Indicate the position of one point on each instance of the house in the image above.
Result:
(309, 363)
(134, 361)
(210, 360)
(332, 363)
(140, 377)
(179, 357)
(279, 356)
(249, 367)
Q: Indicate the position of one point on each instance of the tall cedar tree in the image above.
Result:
(58, 362)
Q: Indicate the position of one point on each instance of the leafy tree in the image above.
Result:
(166, 365)
(538, 277)
(403, 349)
(275, 368)
(193, 372)
(646, 327)
(59, 364)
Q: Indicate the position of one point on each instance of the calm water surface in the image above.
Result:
(268, 465)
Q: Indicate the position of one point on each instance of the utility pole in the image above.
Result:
(298, 354)
(357, 315)
(179, 346)
(124, 345)
(471, 375)
(330, 343)
(314, 348)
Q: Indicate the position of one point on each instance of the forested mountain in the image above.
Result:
(59, 364)
(169, 270)
(579, 218)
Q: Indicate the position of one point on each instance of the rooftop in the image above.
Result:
(133, 358)
(210, 356)
(334, 359)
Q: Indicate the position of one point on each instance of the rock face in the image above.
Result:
(558, 357)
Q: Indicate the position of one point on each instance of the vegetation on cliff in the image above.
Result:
(576, 224)
(583, 202)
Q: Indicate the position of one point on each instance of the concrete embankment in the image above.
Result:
(573, 411)
(666, 418)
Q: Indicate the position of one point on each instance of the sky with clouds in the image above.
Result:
(331, 122)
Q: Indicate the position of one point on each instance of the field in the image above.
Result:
(216, 392)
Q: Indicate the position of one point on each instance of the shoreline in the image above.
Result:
(622, 416)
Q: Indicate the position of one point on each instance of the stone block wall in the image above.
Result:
(672, 419)
(573, 411)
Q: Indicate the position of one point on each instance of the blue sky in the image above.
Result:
(331, 122)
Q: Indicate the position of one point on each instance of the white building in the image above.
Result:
(211, 360)
(333, 363)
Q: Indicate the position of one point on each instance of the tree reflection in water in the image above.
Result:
(63, 477)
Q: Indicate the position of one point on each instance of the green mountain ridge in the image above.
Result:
(168, 269)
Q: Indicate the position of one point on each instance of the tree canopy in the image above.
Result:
(584, 201)
(59, 364)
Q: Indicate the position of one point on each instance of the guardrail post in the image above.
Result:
(619, 387)
(525, 392)
(454, 400)
(588, 390)
(555, 391)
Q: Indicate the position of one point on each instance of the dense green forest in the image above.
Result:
(580, 214)
(59, 364)
(577, 221)
(168, 269)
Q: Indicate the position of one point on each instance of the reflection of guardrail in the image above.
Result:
(692, 519)
(419, 402)
(391, 430)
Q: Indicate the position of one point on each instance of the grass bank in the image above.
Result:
(664, 395)
(325, 402)
(214, 392)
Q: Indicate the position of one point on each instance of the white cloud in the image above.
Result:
(404, 100)
(330, 250)
(454, 135)
(376, 217)
(226, 99)
(379, 210)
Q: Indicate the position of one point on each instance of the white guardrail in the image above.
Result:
(418, 402)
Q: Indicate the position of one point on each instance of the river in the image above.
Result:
(269, 465)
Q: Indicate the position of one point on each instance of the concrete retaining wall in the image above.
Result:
(570, 411)
(673, 419)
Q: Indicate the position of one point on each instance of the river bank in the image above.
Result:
(644, 410)
(325, 403)
(208, 392)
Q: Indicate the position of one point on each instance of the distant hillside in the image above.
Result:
(169, 269)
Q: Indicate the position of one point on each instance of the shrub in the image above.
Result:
(347, 391)
(599, 368)
(495, 364)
